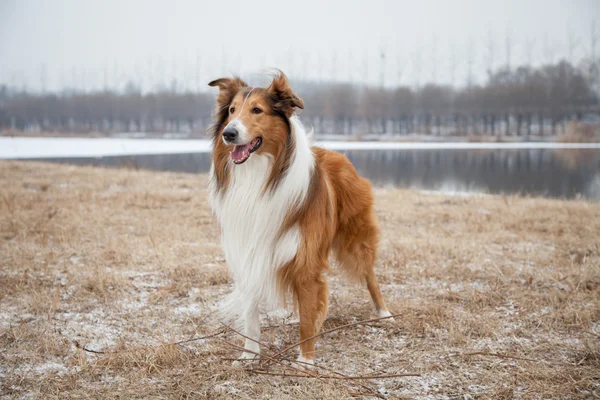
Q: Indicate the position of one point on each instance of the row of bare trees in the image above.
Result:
(521, 101)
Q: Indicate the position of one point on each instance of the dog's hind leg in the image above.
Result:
(312, 298)
(375, 292)
(355, 247)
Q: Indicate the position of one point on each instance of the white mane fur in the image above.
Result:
(250, 222)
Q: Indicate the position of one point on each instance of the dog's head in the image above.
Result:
(253, 119)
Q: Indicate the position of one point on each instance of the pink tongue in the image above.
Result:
(240, 153)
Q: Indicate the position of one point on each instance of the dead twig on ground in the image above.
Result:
(485, 353)
(79, 346)
(330, 331)
(219, 332)
(258, 371)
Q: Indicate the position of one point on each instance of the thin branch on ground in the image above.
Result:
(249, 338)
(485, 353)
(219, 332)
(330, 331)
(259, 371)
(79, 346)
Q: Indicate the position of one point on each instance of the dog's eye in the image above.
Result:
(256, 110)
(231, 110)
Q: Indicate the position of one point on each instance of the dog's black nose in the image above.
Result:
(230, 134)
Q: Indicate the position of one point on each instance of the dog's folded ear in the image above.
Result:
(284, 98)
(228, 88)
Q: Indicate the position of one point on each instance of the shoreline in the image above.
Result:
(57, 147)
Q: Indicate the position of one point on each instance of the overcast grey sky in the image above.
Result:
(87, 43)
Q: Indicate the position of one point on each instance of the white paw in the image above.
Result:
(385, 313)
(306, 362)
(245, 359)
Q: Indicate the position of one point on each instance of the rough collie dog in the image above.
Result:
(282, 206)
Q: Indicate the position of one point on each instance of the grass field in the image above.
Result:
(104, 270)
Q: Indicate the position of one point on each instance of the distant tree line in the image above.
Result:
(513, 101)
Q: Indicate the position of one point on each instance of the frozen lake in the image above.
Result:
(548, 169)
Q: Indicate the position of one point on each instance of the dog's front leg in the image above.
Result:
(252, 331)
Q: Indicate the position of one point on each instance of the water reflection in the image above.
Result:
(552, 173)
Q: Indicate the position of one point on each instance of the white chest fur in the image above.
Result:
(251, 222)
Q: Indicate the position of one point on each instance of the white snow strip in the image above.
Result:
(31, 147)
(95, 147)
(452, 145)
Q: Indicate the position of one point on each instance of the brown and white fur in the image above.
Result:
(282, 206)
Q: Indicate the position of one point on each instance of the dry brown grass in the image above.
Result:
(499, 297)
(9, 132)
(580, 133)
(481, 138)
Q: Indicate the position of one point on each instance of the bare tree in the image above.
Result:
(470, 57)
(365, 71)
(529, 49)
(548, 50)
(452, 65)
(572, 44)
(416, 61)
(594, 67)
(382, 67)
(507, 49)
(434, 58)
(400, 68)
(490, 53)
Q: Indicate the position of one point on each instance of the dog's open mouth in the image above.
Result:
(241, 153)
